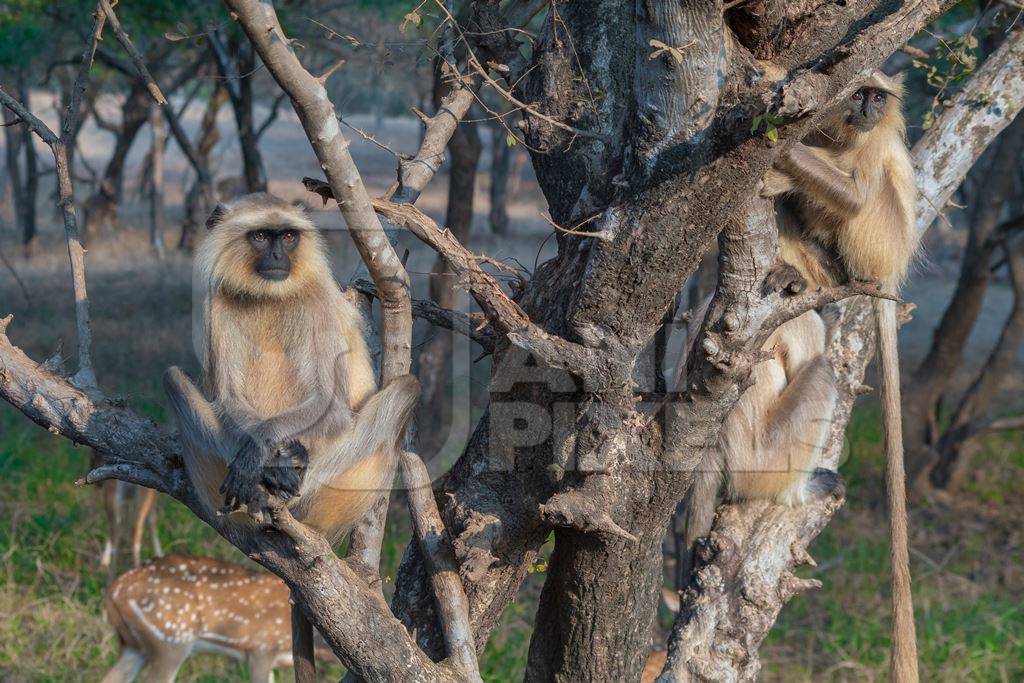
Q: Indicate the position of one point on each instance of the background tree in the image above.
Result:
(639, 122)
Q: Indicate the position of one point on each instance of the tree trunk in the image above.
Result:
(30, 238)
(252, 160)
(501, 162)
(207, 138)
(156, 180)
(101, 209)
(579, 638)
(24, 181)
(930, 380)
(958, 442)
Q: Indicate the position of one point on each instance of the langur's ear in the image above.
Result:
(890, 84)
(216, 216)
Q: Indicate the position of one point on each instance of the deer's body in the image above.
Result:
(175, 606)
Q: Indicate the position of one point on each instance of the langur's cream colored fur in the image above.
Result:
(868, 220)
(286, 361)
(847, 212)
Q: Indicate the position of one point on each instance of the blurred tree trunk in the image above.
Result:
(236, 64)
(435, 405)
(101, 209)
(24, 181)
(959, 442)
(156, 180)
(207, 137)
(930, 380)
(501, 163)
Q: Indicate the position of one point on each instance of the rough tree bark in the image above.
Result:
(657, 157)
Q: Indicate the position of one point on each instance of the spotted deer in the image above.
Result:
(117, 497)
(174, 606)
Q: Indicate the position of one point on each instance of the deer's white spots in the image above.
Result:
(167, 605)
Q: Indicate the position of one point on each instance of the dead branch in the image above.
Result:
(415, 173)
(456, 321)
(133, 54)
(86, 376)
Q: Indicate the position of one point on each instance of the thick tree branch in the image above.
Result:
(986, 105)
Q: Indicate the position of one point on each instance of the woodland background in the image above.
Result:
(966, 538)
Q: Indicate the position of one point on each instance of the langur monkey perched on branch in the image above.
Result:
(290, 376)
(846, 211)
(850, 187)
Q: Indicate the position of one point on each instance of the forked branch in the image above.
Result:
(319, 120)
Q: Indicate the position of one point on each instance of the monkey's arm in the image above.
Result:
(814, 175)
(271, 451)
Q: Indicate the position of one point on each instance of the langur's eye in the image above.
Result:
(878, 98)
(289, 236)
(259, 236)
(857, 96)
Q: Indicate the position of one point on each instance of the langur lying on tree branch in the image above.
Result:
(295, 411)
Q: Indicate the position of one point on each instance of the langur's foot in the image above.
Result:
(242, 485)
(824, 483)
(784, 278)
(283, 475)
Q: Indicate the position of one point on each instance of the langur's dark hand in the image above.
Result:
(284, 472)
(242, 485)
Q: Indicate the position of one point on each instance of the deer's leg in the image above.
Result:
(261, 667)
(154, 531)
(127, 667)
(146, 499)
(163, 667)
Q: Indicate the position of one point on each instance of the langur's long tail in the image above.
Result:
(701, 503)
(903, 664)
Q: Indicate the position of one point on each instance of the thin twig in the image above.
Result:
(17, 278)
(133, 54)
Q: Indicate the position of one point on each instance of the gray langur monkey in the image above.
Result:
(294, 410)
(850, 187)
(845, 209)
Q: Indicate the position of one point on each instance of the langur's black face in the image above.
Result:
(273, 247)
(867, 107)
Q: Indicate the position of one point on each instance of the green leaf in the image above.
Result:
(510, 140)
(756, 123)
(174, 37)
(772, 133)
